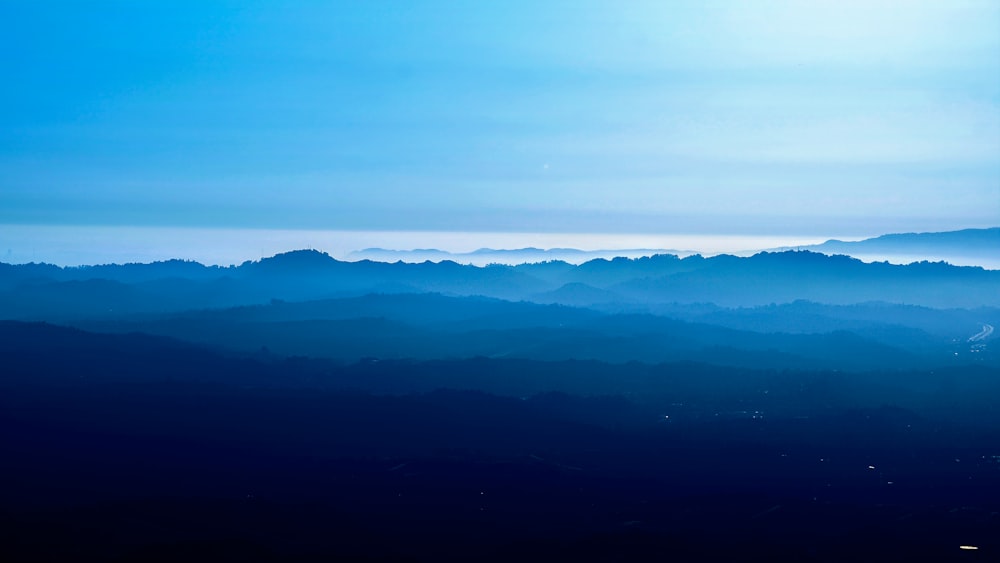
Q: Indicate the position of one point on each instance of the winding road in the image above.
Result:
(982, 335)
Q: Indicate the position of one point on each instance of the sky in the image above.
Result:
(719, 117)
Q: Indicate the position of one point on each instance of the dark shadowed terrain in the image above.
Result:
(787, 406)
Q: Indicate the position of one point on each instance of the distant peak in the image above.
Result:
(303, 252)
(304, 257)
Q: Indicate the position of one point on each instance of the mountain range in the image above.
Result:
(631, 284)
(788, 309)
(968, 247)
(485, 256)
(788, 405)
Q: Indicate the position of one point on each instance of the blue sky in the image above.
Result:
(748, 117)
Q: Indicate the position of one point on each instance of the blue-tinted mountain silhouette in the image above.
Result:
(765, 278)
(723, 309)
(485, 256)
(968, 246)
(309, 408)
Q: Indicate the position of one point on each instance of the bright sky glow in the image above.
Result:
(721, 117)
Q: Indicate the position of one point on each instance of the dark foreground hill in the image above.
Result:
(131, 447)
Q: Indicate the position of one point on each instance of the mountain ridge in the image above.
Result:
(962, 247)
(761, 279)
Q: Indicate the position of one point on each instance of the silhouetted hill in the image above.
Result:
(972, 246)
(788, 276)
(726, 310)
(644, 282)
(485, 256)
(975, 242)
(428, 326)
(577, 294)
(809, 316)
